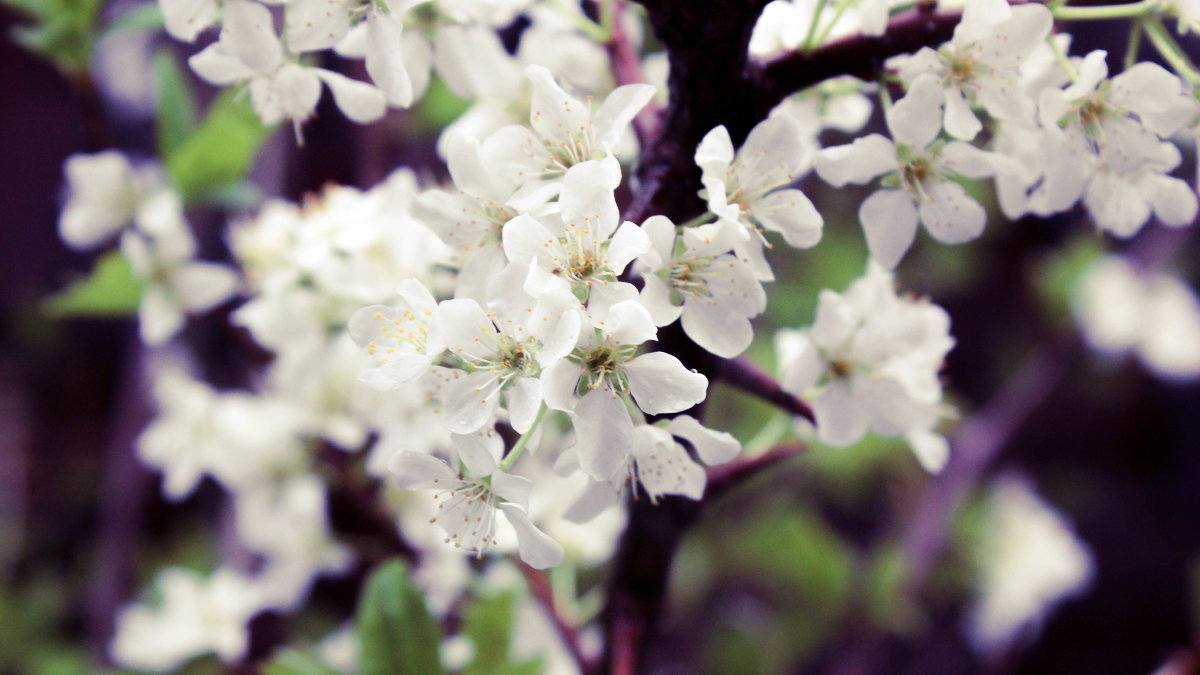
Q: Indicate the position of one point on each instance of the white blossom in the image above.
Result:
(870, 362)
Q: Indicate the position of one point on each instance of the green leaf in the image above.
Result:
(296, 662)
(437, 108)
(176, 119)
(63, 31)
(111, 290)
(136, 18)
(220, 151)
(396, 634)
(489, 623)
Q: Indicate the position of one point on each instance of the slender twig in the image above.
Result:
(627, 69)
(741, 373)
(540, 587)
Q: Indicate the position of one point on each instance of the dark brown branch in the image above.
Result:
(741, 373)
(860, 56)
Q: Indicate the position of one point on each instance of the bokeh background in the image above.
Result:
(798, 570)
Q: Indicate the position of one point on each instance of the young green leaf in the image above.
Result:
(396, 634)
(220, 151)
(111, 290)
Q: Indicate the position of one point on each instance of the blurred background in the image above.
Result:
(805, 568)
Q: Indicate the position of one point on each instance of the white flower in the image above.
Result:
(104, 193)
(919, 186)
(718, 291)
(661, 464)
(587, 251)
(185, 19)
(981, 65)
(160, 251)
(563, 131)
(195, 616)
(750, 189)
(1093, 147)
(236, 438)
(593, 381)
(1031, 561)
(1155, 316)
(504, 351)
(250, 51)
(321, 24)
(286, 523)
(469, 502)
(870, 362)
(400, 339)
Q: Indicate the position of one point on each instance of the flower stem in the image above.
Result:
(519, 446)
(808, 45)
(702, 219)
(1135, 43)
(1166, 45)
(1127, 11)
(837, 16)
(1062, 59)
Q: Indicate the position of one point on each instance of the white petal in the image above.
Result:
(248, 32)
(559, 382)
(931, 449)
(479, 452)
(316, 24)
(717, 327)
(537, 549)
(416, 470)
(359, 101)
(916, 119)
(629, 323)
(661, 384)
(960, 121)
(840, 420)
(889, 221)
(950, 215)
(629, 242)
(184, 19)
(790, 213)
(159, 316)
(603, 433)
(215, 66)
(201, 286)
(712, 447)
(858, 162)
(470, 401)
(385, 62)
(587, 200)
(618, 110)
(524, 399)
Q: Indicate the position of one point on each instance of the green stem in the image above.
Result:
(1166, 45)
(808, 45)
(702, 219)
(608, 13)
(1135, 43)
(506, 463)
(837, 16)
(1128, 11)
(885, 98)
(1062, 59)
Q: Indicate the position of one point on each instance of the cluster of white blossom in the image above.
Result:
(108, 197)
(491, 343)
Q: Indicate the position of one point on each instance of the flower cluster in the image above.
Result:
(495, 347)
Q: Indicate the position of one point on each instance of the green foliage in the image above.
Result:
(1060, 273)
(31, 641)
(63, 31)
(489, 624)
(216, 154)
(110, 290)
(296, 662)
(396, 634)
(136, 18)
(437, 108)
(176, 119)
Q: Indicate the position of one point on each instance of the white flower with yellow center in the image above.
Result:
(399, 338)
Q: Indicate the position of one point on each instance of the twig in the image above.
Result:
(741, 373)
(539, 586)
(627, 69)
